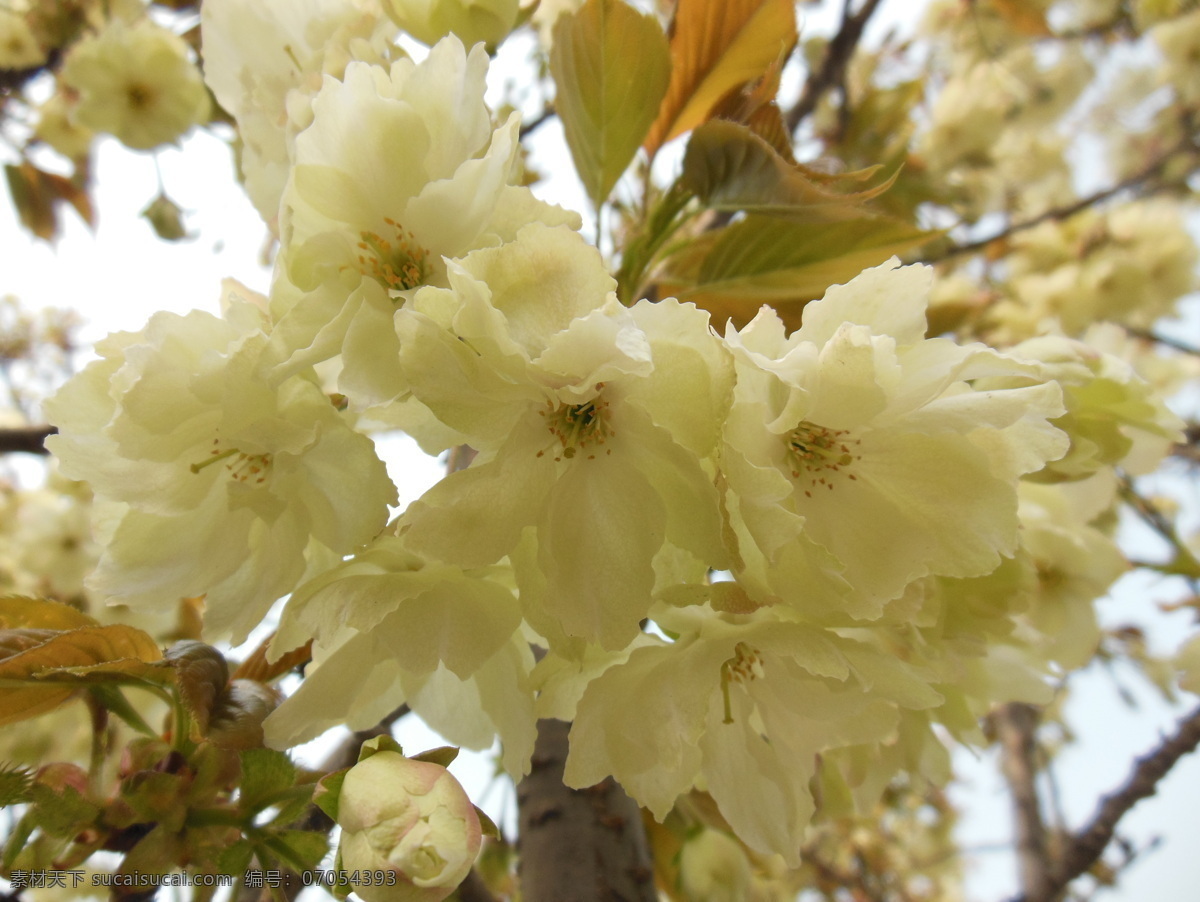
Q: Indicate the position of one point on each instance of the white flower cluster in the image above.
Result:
(859, 483)
(135, 80)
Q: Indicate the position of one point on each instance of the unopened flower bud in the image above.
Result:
(407, 818)
(713, 867)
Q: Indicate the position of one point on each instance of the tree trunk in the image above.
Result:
(1016, 728)
(578, 845)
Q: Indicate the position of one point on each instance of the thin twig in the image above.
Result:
(1085, 847)
(852, 880)
(1057, 213)
(12, 80)
(343, 755)
(1150, 514)
(832, 71)
(528, 128)
(30, 439)
(1164, 340)
(1189, 448)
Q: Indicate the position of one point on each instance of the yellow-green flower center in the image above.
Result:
(816, 453)
(139, 96)
(579, 427)
(397, 263)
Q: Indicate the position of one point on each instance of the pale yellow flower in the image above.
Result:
(265, 61)
(400, 169)
(471, 21)
(860, 457)
(19, 46)
(582, 435)
(210, 478)
(136, 82)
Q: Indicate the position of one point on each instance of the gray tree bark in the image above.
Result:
(578, 845)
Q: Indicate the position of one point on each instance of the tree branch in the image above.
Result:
(474, 889)
(578, 845)
(528, 128)
(1085, 847)
(1057, 213)
(1163, 340)
(832, 71)
(1152, 516)
(11, 80)
(1016, 726)
(343, 755)
(30, 440)
(1189, 448)
(854, 881)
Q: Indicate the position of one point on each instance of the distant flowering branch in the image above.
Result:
(1065, 212)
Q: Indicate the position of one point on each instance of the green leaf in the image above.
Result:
(441, 756)
(487, 826)
(328, 791)
(112, 699)
(341, 887)
(215, 773)
(17, 839)
(611, 67)
(154, 796)
(730, 168)
(266, 775)
(765, 260)
(667, 214)
(383, 743)
(763, 246)
(235, 860)
(292, 804)
(159, 852)
(294, 849)
(302, 849)
(16, 785)
(62, 813)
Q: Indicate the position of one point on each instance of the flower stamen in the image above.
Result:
(579, 427)
(818, 452)
(745, 666)
(244, 468)
(217, 456)
(398, 263)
